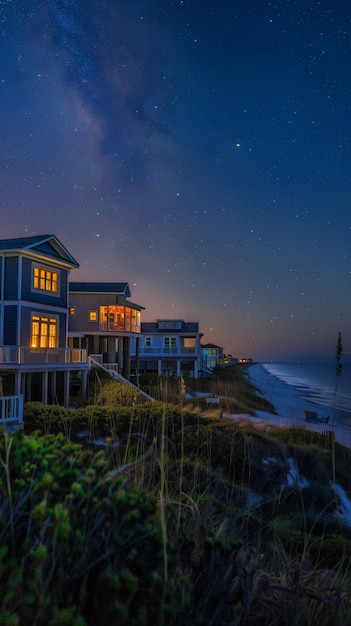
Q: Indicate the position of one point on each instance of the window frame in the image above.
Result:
(47, 322)
(46, 270)
(170, 342)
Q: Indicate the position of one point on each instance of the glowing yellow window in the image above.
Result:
(44, 332)
(92, 316)
(45, 280)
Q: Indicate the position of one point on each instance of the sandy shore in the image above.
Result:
(290, 407)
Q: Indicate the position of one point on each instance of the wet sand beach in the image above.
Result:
(290, 407)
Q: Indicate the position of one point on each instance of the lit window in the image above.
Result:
(45, 280)
(92, 316)
(72, 310)
(44, 332)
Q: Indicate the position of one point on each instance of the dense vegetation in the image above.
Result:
(166, 513)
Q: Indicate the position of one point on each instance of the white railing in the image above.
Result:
(11, 409)
(145, 350)
(97, 358)
(119, 327)
(114, 374)
(38, 356)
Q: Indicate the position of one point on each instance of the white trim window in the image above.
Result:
(44, 331)
(170, 342)
(45, 279)
(147, 342)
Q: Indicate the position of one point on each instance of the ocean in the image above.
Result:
(316, 382)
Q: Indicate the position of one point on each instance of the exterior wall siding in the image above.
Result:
(10, 325)
(11, 278)
(84, 303)
(62, 330)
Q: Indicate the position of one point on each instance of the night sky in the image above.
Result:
(198, 150)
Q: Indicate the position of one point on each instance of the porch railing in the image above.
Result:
(11, 409)
(114, 374)
(179, 351)
(124, 327)
(12, 355)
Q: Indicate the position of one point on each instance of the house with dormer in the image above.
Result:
(35, 360)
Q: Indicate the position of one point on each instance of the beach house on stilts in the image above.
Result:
(35, 361)
(106, 323)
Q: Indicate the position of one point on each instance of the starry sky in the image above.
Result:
(198, 150)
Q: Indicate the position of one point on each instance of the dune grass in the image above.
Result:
(181, 517)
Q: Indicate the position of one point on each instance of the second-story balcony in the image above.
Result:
(117, 327)
(23, 355)
(166, 350)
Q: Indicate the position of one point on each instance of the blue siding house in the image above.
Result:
(35, 362)
(171, 347)
(212, 355)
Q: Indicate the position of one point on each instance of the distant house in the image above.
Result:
(212, 355)
(171, 348)
(228, 359)
(105, 322)
(35, 362)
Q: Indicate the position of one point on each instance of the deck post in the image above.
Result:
(84, 374)
(120, 354)
(178, 368)
(44, 391)
(126, 353)
(66, 388)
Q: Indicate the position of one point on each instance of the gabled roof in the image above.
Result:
(210, 345)
(47, 246)
(125, 302)
(120, 289)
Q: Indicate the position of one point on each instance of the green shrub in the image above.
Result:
(172, 539)
(118, 393)
(77, 546)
